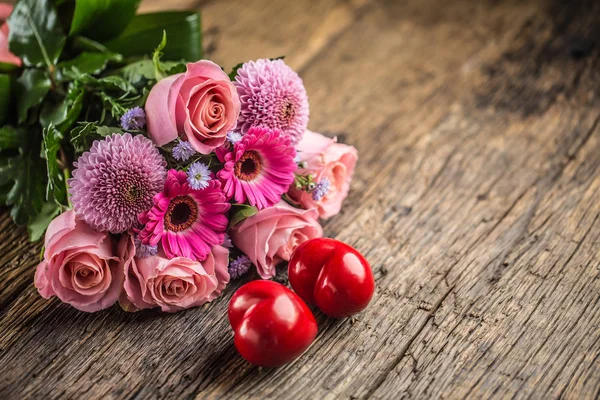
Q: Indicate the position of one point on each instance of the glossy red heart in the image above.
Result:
(272, 325)
(332, 275)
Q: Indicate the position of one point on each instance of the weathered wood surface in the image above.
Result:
(477, 199)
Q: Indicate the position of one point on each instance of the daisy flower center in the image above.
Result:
(287, 111)
(248, 166)
(181, 214)
(133, 193)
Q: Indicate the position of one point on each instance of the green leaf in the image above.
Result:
(5, 97)
(7, 67)
(174, 67)
(102, 19)
(81, 43)
(138, 71)
(114, 82)
(82, 136)
(56, 188)
(35, 33)
(91, 63)
(12, 138)
(111, 82)
(53, 112)
(32, 86)
(159, 72)
(75, 105)
(145, 30)
(27, 173)
(63, 112)
(39, 223)
(85, 133)
(105, 131)
(240, 212)
(234, 71)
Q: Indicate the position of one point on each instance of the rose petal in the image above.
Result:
(162, 127)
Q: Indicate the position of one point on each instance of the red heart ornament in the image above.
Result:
(332, 275)
(272, 325)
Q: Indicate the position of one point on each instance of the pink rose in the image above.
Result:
(325, 158)
(5, 55)
(271, 235)
(200, 105)
(79, 266)
(174, 284)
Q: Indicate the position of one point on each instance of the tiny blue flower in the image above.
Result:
(233, 137)
(144, 250)
(198, 176)
(134, 119)
(183, 151)
(239, 266)
(321, 189)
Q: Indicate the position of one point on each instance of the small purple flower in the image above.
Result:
(183, 151)
(198, 176)
(227, 242)
(134, 119)
(239, 266)
(233, 137)
(144, 250)
(321, 189)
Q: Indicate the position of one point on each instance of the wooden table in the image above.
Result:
(476, 199)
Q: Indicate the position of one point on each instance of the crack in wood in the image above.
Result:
(392, 366)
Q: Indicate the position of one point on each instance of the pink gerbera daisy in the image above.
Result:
(259, 169)
(185, 221)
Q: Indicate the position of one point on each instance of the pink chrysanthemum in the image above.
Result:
(185, 221)
(115, 181)
(259, 169)
(272, 96)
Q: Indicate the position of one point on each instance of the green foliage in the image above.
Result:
(23, 181)
(6, 84)
(145, 30)
(35, 33)
(38, 224)
(64, 111)
(139, 71)
(24, 178)
(85, 62)
(159, 72)
(32, 86)
(234, 71)
(7, 67)
(102, 19)
(82, 136)
(90, 63)
(11, 138)
(56, 188)
(240, 212)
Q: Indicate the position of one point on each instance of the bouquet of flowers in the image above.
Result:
(156, 178)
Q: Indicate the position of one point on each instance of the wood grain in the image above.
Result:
(476, 199)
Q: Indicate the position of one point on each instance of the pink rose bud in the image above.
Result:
(174, 284)
(79, 266)
(331, 164)
(271, 235)
(5, 55)
(200, 105)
